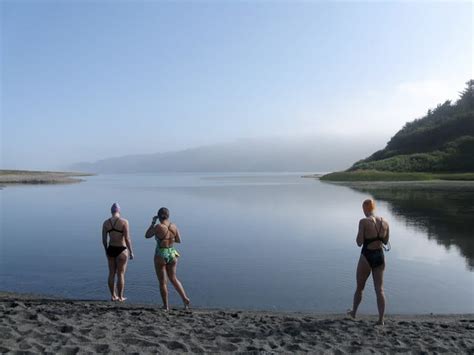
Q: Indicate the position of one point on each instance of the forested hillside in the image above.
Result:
(441, 141)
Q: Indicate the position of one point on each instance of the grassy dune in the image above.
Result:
(8, 177)
(374, 175)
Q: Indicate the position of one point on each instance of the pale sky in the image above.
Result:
(86, 80)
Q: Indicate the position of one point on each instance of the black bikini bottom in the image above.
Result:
(113, 252)
(375, 257)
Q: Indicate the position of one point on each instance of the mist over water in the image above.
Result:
(277, 154)
(254, 241)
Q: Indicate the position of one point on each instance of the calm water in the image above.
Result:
(255, 241)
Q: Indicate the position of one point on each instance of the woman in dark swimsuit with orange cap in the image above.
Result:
(373, 234)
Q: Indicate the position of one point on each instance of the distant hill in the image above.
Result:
(441, 141)
(316, 154)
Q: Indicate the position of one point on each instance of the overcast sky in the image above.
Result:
(85, 80)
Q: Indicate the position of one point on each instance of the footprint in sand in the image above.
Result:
(129, 340)
(176, 345)
(15, 304)
(70, 350)
(310, 327)
(149, 333)
(293, 347)
(5, 334)
(45, 340)
(229, 347)
(101, 348)
(32, 316)
(98, 334)
(24, 345)
(197, 349)
(85, 331)
(254, 349)
(51, 316)
(66, 329)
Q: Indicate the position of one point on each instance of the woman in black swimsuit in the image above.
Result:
(118, 249)
(373, 234)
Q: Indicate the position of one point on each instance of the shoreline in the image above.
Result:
(48, 324)
(390, 176)
(31, 177)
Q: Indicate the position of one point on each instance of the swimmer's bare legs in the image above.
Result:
(362, 274)
(377, 275)
(160, 269)
(121, 261)
(171, 271)
(111, 278)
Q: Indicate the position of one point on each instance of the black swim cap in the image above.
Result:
(163, 213)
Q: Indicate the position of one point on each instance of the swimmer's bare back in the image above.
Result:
(168, 234)
(368, 227)
(117, 230)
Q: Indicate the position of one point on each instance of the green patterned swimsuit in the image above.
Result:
(168, 254)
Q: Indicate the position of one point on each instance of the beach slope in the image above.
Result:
(34, 324)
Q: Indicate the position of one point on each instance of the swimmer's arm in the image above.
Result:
(151, 231)
(128, 241)
(177, 238)
(104, 236)
(387, 236)
(360, 234)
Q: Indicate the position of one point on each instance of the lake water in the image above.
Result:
(254, 241)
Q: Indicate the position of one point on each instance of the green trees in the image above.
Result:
(441, 141)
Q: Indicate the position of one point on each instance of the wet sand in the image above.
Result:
(36, 324)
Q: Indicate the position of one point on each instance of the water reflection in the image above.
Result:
(255, 241)
(444, 211)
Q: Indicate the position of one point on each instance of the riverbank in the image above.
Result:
(10, 177)
(375, 175)
(38, 324)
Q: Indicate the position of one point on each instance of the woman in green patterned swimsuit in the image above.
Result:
(166, 256)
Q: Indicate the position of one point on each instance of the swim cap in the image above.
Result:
(115, 208)
(163, 213)
(369, 204)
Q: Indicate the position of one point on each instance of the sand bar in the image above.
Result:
(9, 177)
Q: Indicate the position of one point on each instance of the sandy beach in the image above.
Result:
(37, 324)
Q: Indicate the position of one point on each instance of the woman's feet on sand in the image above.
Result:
(380, 323)
(114, 298)
(351, 313)
(121, 299)
(187, 303)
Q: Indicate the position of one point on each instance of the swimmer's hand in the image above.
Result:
(153, 221)
(131, 256)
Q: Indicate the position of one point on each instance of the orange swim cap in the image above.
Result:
(369, 204)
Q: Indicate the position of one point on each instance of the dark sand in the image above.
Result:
(36, 324)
